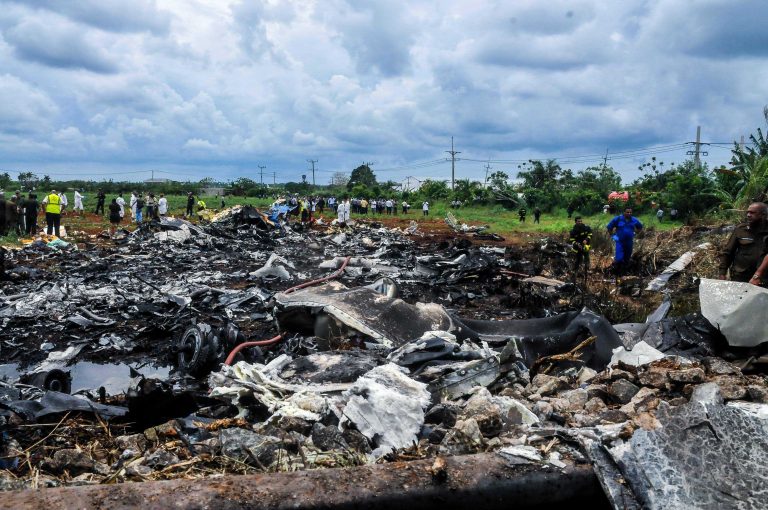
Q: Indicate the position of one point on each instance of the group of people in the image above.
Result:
(18, 214)
(743, 259)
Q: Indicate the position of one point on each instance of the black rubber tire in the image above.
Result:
(194, 357)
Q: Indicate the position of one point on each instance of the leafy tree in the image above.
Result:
(301, 188)
(749, 155)
(540, 183)
(362, 175)
(241, 186)
(361, 191)
(539, 175)
(434, 189)
(339, 179)
(502, 191)
(5, 180)
(469, 191)
(28, 180)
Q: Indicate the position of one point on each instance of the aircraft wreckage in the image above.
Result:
(223, 364)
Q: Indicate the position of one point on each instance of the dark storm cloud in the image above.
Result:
(109, 15)
(377, 34)
(57, 45)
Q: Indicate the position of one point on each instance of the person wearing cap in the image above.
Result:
(52, 207)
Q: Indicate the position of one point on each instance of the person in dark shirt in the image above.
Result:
(100, 198)
(581, 241)
(114, 216)
(537, 215)
(30, 211)
(190, 204)
(521, 213)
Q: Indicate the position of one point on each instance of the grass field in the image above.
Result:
(500, 221)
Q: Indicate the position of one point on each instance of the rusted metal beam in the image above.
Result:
(483, 481)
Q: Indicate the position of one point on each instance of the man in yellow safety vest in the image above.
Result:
(52, 207)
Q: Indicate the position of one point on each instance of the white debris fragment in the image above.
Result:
(387, 407)
(641, 354)
(736, 309)
(522, 451)
(675, 267)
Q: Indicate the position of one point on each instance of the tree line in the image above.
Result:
(694, 190)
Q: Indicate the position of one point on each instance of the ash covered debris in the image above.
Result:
(401, 346)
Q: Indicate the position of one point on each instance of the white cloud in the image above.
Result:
(223, 84)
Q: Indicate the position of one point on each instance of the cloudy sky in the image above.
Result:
(196, 88)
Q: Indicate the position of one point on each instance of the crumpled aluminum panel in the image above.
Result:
(737, 309)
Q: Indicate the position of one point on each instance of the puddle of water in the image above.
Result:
(115, 377)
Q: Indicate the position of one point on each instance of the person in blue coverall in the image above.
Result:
(622, 229)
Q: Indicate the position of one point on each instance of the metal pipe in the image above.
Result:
(484, 481)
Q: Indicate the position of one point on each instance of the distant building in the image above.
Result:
(211, 191)
(157, 180)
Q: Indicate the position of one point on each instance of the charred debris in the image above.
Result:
(248, 345)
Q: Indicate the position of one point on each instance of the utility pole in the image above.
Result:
(313, 161)
(261, 173)
(487, 169)
(274, 178)
(741, 145)
(697, 152)
(453, 164)
(605, 158)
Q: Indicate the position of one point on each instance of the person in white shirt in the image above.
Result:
(63, 202)
(79, 202)
(162, 205)
(121, 203)
(425, 208)
(343, 211)
(134, 199)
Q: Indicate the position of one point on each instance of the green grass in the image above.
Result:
(502, 221)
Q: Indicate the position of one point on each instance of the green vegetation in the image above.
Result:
(694, 191)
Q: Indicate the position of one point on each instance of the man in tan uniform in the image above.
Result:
(747, 245)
